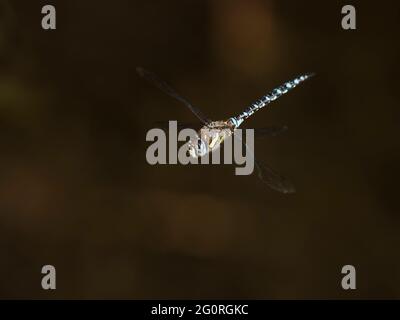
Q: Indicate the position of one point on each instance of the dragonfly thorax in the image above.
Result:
(209, 138)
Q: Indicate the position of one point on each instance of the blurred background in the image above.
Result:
(76, 191)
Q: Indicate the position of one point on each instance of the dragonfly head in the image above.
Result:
(197, 147)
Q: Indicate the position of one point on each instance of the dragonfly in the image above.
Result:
(212, 133)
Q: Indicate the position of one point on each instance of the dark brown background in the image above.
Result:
(76, 191)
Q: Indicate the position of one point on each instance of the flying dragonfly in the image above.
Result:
(213, 133)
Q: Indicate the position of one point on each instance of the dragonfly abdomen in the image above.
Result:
(265, 100)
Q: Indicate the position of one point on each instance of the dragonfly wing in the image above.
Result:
(270, 177)
(273, 179)
(166, 88)
(270, 131)
(180, 125)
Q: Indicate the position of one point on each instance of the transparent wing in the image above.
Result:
(273, 179)
(180, 125)
(163, 86)
(270, 131)
(270, 177)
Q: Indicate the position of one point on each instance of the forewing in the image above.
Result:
(180, 125)
(166, 88)
(269, 131)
